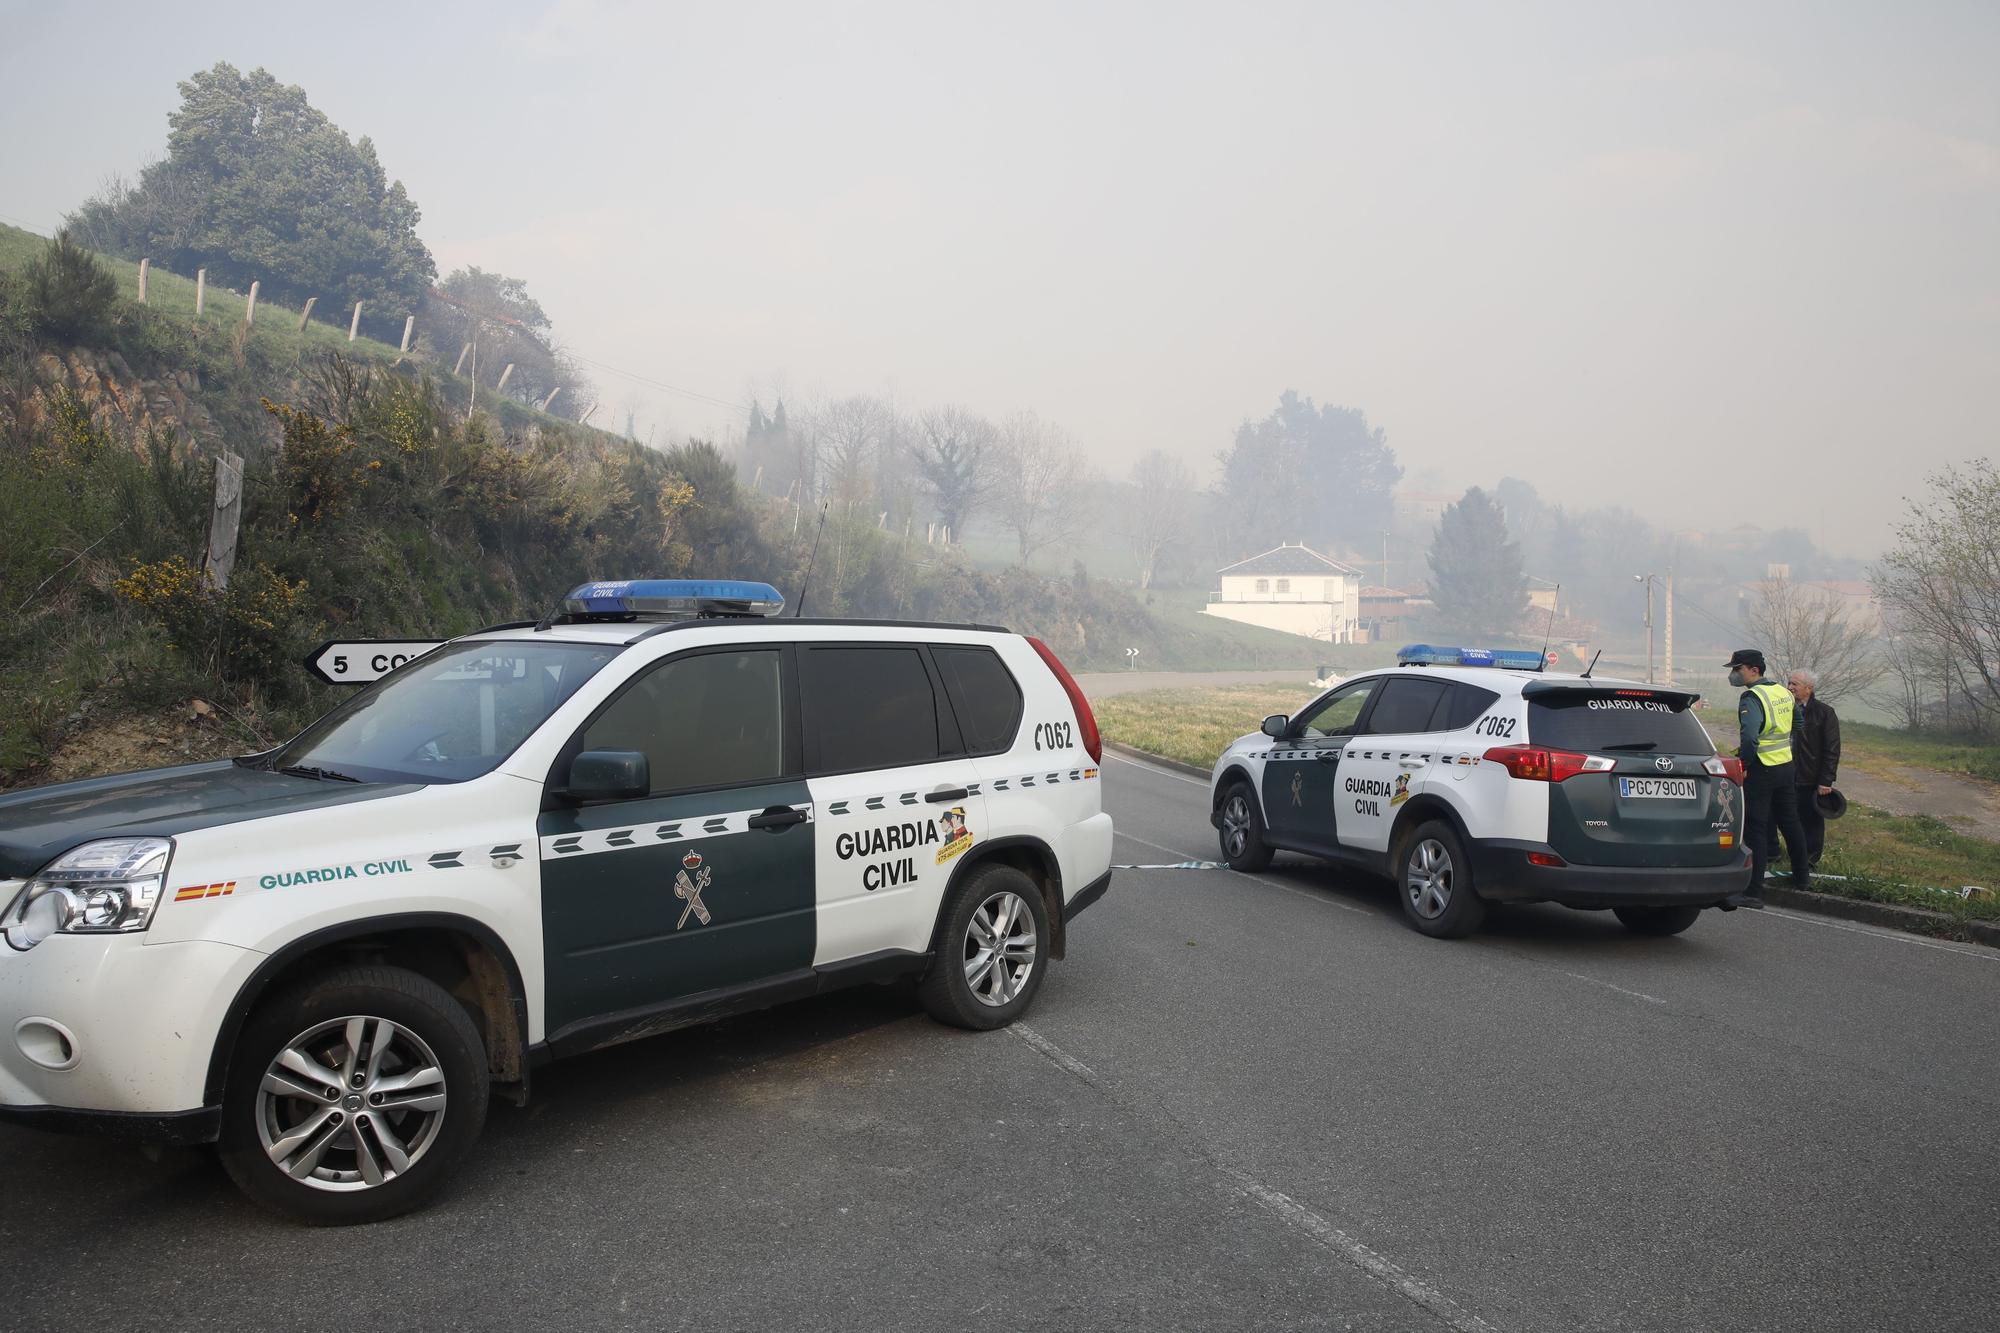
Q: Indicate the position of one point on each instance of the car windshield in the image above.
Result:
(1600, 720)
(448, 716)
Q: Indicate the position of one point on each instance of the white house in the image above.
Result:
(1294, 589)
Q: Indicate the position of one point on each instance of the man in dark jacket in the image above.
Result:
(1816, 756)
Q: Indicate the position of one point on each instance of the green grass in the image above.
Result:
(1869, 747)
(1193, 726)
(1912, 860)
(276, 335)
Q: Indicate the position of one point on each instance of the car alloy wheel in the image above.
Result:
(1235, 825)
(351, 1103)
(1427, 879)
(999, 949)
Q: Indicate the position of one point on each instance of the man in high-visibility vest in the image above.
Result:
(1764, 726)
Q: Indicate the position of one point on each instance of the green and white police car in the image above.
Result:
(659, 806)
(1470, 776)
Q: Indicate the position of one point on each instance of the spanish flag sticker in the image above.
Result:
(194, 891)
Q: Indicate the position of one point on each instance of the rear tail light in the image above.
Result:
(1549, 859)
(1725, 766)
(1086, 721)
(1531, 763)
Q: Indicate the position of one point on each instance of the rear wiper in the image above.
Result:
(1634, 745)
(323, 774)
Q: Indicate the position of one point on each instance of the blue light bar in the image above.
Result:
(675, 597)
(1507, 659)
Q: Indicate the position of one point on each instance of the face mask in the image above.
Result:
(1736, 676)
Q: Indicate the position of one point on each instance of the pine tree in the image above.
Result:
(1476, 577)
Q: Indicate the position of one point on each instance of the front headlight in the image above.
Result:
(108, 887)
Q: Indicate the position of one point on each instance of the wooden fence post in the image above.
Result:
(200, 289)
(354, 325)
(250, 307)
(225, 518)
(307, 313)
(409, 327)
(144, 264)
(501, 386)
(551, 398)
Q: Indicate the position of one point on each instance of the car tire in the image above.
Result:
(373, 1042)
(1433, 878)
(1241, 832)
(967, 985)
(1657, 920)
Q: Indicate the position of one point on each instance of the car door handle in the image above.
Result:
(778, 817)
(943, 794)
(1328, 756)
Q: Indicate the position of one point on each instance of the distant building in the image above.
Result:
(1421, 507)
(1295, 590)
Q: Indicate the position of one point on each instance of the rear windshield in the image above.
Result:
(1600, 720)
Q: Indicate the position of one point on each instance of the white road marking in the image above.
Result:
(1635, 994)
(1881, 933)
(1287, 1209)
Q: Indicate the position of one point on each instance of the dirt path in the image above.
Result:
(1970, 805)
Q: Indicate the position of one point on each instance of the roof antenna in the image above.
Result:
(1593, 663)
(810, 561)
(1551, 629)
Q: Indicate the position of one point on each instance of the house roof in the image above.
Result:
(1288, 559)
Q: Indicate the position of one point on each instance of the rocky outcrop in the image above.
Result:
(118, 398)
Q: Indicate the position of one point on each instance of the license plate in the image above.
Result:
(1673, 789)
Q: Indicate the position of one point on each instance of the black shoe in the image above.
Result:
(1736, 900)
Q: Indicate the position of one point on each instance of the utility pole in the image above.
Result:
(1647, 579)
(1669, 666)
(1385, 561)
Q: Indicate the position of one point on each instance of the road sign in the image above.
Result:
(1554, 657)
(358, 661)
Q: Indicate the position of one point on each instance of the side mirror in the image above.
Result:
(608, 775)
(1275, 725)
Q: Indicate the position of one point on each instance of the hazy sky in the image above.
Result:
(1617, 250)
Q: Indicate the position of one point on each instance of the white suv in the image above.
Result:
(658, 807)
(1470, 776)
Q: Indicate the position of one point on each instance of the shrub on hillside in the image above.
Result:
(243, 633)
(67, 293)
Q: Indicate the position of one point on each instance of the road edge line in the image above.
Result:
(1280, 1205)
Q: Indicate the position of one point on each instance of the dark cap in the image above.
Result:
(1747, 657)
(1832, 804)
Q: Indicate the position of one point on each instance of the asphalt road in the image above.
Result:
(1241, 1103)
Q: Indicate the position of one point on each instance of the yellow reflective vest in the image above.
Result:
(1774, 739)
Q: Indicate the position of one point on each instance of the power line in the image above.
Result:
(655, 383)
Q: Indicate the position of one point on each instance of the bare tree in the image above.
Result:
(1909, 689)
(848, 437)
(1047, 494)
(1803, 626)
(1163, 509)
(1941, 582)
(957, 456)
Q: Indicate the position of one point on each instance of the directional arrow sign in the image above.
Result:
(358, 661)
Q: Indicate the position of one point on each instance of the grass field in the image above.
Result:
(1916, 860)
(1870, 748)
(276, 333)
(1193, 726)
